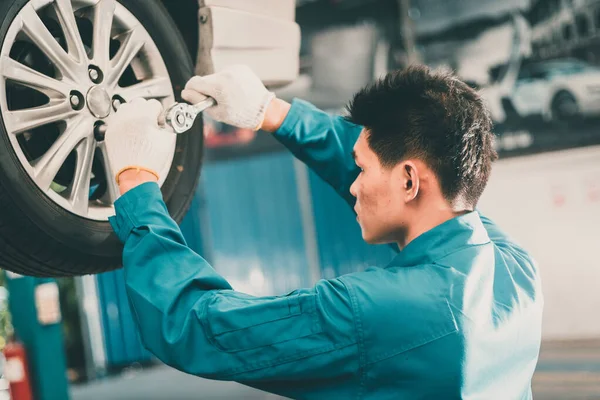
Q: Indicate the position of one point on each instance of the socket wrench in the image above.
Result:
(181, 116)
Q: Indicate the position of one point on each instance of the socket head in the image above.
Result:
(180, 117)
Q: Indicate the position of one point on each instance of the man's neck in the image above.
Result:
(425, 221)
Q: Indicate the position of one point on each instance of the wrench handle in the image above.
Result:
(204, 104)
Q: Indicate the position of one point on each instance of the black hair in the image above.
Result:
(433, 116)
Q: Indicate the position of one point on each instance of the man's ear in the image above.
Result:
(410, 177)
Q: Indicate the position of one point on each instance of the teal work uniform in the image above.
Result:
(456, 314)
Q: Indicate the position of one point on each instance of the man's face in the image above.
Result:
(378, 192)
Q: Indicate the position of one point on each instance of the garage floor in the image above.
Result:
(566, 370)
(160, 383)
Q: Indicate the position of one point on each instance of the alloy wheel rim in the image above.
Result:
(82, 59)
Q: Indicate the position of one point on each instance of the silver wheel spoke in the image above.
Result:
(129, 49)
(80, 192)
(17, 72)
(103, 17)
(151, 89)
(113, 188)
(69, 25)
(24, 120)
(46, 168)
(39, 34)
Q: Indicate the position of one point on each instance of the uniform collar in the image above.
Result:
(458, 232)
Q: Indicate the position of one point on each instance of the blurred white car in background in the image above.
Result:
(556, 90)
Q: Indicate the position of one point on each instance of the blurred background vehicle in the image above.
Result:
(559, 90)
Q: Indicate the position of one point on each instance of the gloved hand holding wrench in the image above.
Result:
(214, 94)
(136, 139)
(241, 97)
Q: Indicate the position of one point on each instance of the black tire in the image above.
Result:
(40, 238)
(564, 107)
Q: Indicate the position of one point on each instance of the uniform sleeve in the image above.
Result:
(324, 143)
(191, 318)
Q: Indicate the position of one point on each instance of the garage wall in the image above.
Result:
(254, 224)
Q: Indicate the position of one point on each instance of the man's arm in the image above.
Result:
(190, 318)
(322, 141)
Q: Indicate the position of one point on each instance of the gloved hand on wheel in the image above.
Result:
(242, 99)
(136, 145)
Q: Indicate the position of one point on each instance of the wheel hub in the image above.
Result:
(98, 102)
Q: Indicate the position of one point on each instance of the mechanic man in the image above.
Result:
(456, 314)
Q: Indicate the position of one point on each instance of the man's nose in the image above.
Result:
(353, 188)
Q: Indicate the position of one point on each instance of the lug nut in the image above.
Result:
(180, 119)
(95, 74)
(116, 104)
(99, 130)
(75, 101)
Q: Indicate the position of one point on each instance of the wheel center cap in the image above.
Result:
(98, 101)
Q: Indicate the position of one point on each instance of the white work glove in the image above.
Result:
(242, 99)
(134, 139)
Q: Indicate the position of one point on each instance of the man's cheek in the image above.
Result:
(366, 199)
